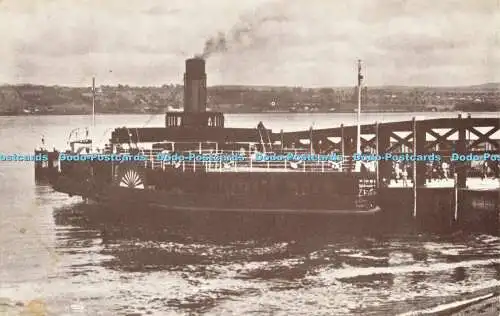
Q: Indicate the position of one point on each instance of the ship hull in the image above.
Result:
(209, 201)
(337, 212)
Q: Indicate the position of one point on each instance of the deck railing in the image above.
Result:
(245, 162)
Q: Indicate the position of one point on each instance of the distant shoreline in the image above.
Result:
(20, 100)
(262, 112)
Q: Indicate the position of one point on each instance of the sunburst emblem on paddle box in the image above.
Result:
(132, 179)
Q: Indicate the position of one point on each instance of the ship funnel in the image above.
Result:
(195, 100)
(195, 86)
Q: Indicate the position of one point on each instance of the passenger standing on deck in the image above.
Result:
(252, 151)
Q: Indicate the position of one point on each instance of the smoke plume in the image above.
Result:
(242, 35)
(216, 44)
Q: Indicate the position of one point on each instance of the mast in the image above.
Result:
(360, 78)
(93, 103)
(311, 149)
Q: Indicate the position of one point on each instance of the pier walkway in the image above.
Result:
(472, 183)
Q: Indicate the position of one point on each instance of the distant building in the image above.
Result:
(440, 107)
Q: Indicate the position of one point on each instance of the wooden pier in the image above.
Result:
(455, 204)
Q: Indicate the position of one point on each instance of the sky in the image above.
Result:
(310, 43)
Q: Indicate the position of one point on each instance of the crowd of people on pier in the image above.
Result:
(402, 172)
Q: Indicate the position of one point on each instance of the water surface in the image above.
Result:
(82, 259)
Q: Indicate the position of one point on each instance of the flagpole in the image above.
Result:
(358, 141)
(93, 103)
(358, 138)
(92, 132)
(311, 140)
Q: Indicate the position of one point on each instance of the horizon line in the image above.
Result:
(255, 85)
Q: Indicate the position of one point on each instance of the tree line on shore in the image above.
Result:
(37, 99)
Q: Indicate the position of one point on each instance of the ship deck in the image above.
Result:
(245, 169)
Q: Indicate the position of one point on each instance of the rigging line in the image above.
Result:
(259, 129)
(261, 140)
(129, 137)
(103, 134)
(169, 97)
(269, 140)
(137, 136)
(152, 116)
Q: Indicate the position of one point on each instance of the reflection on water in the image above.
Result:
(182, 263)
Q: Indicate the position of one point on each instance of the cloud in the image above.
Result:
(160, 10)
(257, 41)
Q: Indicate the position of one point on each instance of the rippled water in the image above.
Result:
(69, 258)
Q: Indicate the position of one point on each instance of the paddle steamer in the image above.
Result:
(245, 184)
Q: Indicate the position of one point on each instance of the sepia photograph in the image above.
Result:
(252, 157)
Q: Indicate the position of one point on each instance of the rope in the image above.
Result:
(269, 141)
(137, 134)
(152, 116)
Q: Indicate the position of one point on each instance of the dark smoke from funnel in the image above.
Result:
(216, 44)
(245, 28)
